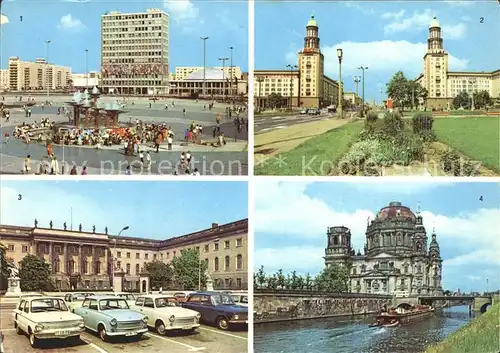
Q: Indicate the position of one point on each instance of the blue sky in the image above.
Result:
(156, 210)
(385, 36)
(291, 220)
(74, 26)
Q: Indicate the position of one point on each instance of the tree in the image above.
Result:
(462, 100)
(189, 270)
(35, 274)
(308, 282)
(300, 283)
(294, 280)
(334, 278)
(398, 88)
(272, 283)
(280, 279)
(274, 100)
(4, 273)
(260, 278)
(160, 274)
(482, 100)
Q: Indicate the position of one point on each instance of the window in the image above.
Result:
(71, 267)
(238, 284)
(25, 248)
(84, 266)
(137, 255)
(56, 266)
(128, 269)
(92, 305)
(137, 269)
(239, 262)
(128, 255)
(146, 256)
(227, 282)
(11, 247)
(148, 302)
(216, 264)
(154, 256)
(119, 264)
(239, 243)
(206, 248)
(226, 244)
(97, 267)
(139, 301)
(227, 263)
(216, 246)
(119, 254)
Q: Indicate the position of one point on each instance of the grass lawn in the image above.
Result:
(477, 138)
(315, 156)
(481, 335)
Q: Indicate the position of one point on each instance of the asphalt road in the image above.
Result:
(206, 339)
(269, 123)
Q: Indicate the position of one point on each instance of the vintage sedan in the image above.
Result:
(111, 316)
(129, 297)
(240, 298)
(217, 309)
(75, 300)
(46, 317)
(165, 313)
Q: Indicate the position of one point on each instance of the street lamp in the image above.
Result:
(357, 79)
(231, 72)
(472, 82)
(339, 55)
(204, 39)
(363, 68)
(291, 67)
(87, 67)
(114, 254)
(223, 78)
(259, 80)
(47, 42)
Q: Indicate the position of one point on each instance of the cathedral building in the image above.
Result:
(443, 85)
(397, 258)
(302, 85)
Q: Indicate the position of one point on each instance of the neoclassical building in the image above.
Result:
(82, 258)
(302, 85)
(396, 259)
(443, 85)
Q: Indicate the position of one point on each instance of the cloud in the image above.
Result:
(299, 258)
(386, 56)
(363, 9)
(181, 10)
(416, 21)
(3, 19)
(404, 188)
(466, 18)
(68, 22)
(456, 3)
(453, 32)
(395, 15)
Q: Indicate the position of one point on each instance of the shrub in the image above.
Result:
(393, 123)
(450, 162)
(422, 125)
(371, 117)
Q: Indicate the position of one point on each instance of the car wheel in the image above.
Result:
(33, 340)
(138, 337)
(102, 333)
(222, 323)
(160, 327)
(191, 330)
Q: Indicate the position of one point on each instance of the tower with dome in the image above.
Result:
(396, 257)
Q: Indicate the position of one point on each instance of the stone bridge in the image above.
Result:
(285, 305)
(480, 304)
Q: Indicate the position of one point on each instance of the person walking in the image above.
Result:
(84, 170)
(148, 160)
(27, 164)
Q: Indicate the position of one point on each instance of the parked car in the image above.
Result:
(129, 297)
(303, 111)
(314, 111)
(75, 300)
(181, 296)
(217, 309)
(46, 317)
(165, 313)
(111, 316)
(240, 298)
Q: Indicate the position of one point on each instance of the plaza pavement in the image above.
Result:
(231, 159)
(206, 339)
(269, 123)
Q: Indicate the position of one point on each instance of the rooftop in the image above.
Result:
(211, 73)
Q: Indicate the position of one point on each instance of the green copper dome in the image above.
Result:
(312, 22)
(434, 23)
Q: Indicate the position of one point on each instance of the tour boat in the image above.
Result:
(403, 314)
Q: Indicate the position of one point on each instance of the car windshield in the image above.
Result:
(222, 299)
(110, 304)
(79, 297)
(48, 304)
(240, 299)
(166, 301)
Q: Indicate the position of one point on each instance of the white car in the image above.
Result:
(130, 298)
(165, 314)
(240, 299)
(75, 300)
(46, 317)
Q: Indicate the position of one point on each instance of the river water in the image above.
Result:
(352, 335)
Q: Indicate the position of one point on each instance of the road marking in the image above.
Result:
(224, 333)
(191, 348)
(93, 345)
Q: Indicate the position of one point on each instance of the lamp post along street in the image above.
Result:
(472, 82)
(87, 67)
(223, 78)
(47, 42)
(339, 55)
(291, 67)
(204, 39)
(114, 256)
(231, 91)
(363, 68)
(259, 80)
(356, 83)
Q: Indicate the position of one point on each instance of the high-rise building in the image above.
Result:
(32, 76)
(135, 52)
(443, 85)
(302, 85)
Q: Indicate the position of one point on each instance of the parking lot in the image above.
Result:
(205, 339)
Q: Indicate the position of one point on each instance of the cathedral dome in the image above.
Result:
(393, 211)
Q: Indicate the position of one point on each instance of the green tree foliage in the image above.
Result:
(462, 100)
(187, 269)
(35, 274)
(260, 278)
(482, 100)
(275, 100)
(404, 92)
(4, 273)
(334, 278)
(280, 279)
(160, 274)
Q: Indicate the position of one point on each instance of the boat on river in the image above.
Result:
(403, 314)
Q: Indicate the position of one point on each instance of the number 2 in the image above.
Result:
(481, 19)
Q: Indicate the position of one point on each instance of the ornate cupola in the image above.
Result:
(435, 41)
(434, 251)
(311, 40)
(339, 245)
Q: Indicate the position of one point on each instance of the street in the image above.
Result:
(205, 339)
(269, 123)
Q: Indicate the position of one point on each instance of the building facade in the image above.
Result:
(37, 75)
(396, 255)
(135, 52)
(182, 72)
(4, 80)
(443, 85)
(82, 81)
(82, 259)
(303, 85)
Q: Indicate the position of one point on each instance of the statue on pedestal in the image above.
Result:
(106, 230)
(51, 224)
(65, 226)
(80, 227)
(93, 229)
(36, 223)
(14, 285)
(209, 281)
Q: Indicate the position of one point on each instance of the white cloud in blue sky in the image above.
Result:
(291, 219)
(67, 22)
